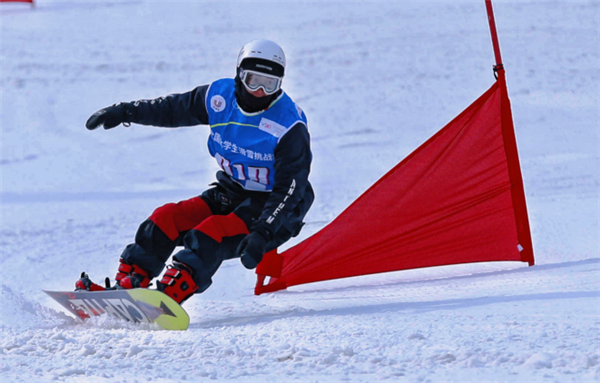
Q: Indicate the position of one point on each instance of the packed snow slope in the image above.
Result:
(376, 79)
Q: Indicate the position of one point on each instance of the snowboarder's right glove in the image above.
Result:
(254, 246)
(112, 116)
(251, 249)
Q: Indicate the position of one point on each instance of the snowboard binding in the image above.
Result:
(85, 284)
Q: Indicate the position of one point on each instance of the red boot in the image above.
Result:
(177, 282)
(131, 276)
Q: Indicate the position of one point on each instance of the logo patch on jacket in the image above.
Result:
(271, 127)
(218, 103)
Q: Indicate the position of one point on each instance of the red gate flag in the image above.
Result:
(458, 198)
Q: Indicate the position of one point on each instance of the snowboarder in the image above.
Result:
(260, 139)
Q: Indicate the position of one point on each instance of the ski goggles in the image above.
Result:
(254, 81)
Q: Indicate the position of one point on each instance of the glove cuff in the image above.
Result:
(129, 112)
(262, 229)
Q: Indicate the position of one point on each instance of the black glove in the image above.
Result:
(111, 116)
(252, 248)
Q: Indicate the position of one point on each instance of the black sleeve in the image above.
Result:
(184, 109)
(292, 166)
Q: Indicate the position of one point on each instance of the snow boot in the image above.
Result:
(131, 276)
(177, 282)
(85, 283)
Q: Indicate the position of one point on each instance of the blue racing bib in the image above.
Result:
(244, 144)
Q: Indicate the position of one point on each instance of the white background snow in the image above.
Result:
(376, 79)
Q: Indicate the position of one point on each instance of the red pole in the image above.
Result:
(512, 154)
(490, 12)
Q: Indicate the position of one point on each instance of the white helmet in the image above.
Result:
(264, 50)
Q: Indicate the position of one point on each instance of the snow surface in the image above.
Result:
(376, 80)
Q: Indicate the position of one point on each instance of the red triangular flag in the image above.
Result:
(458, 198)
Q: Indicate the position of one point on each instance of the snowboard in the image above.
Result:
(135, 305)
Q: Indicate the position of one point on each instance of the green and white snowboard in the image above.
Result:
(136, 305)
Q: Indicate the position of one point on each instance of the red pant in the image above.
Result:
(176, 218)
(208, 238)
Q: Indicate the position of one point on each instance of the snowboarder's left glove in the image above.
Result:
(253, 247)
(112, 116)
